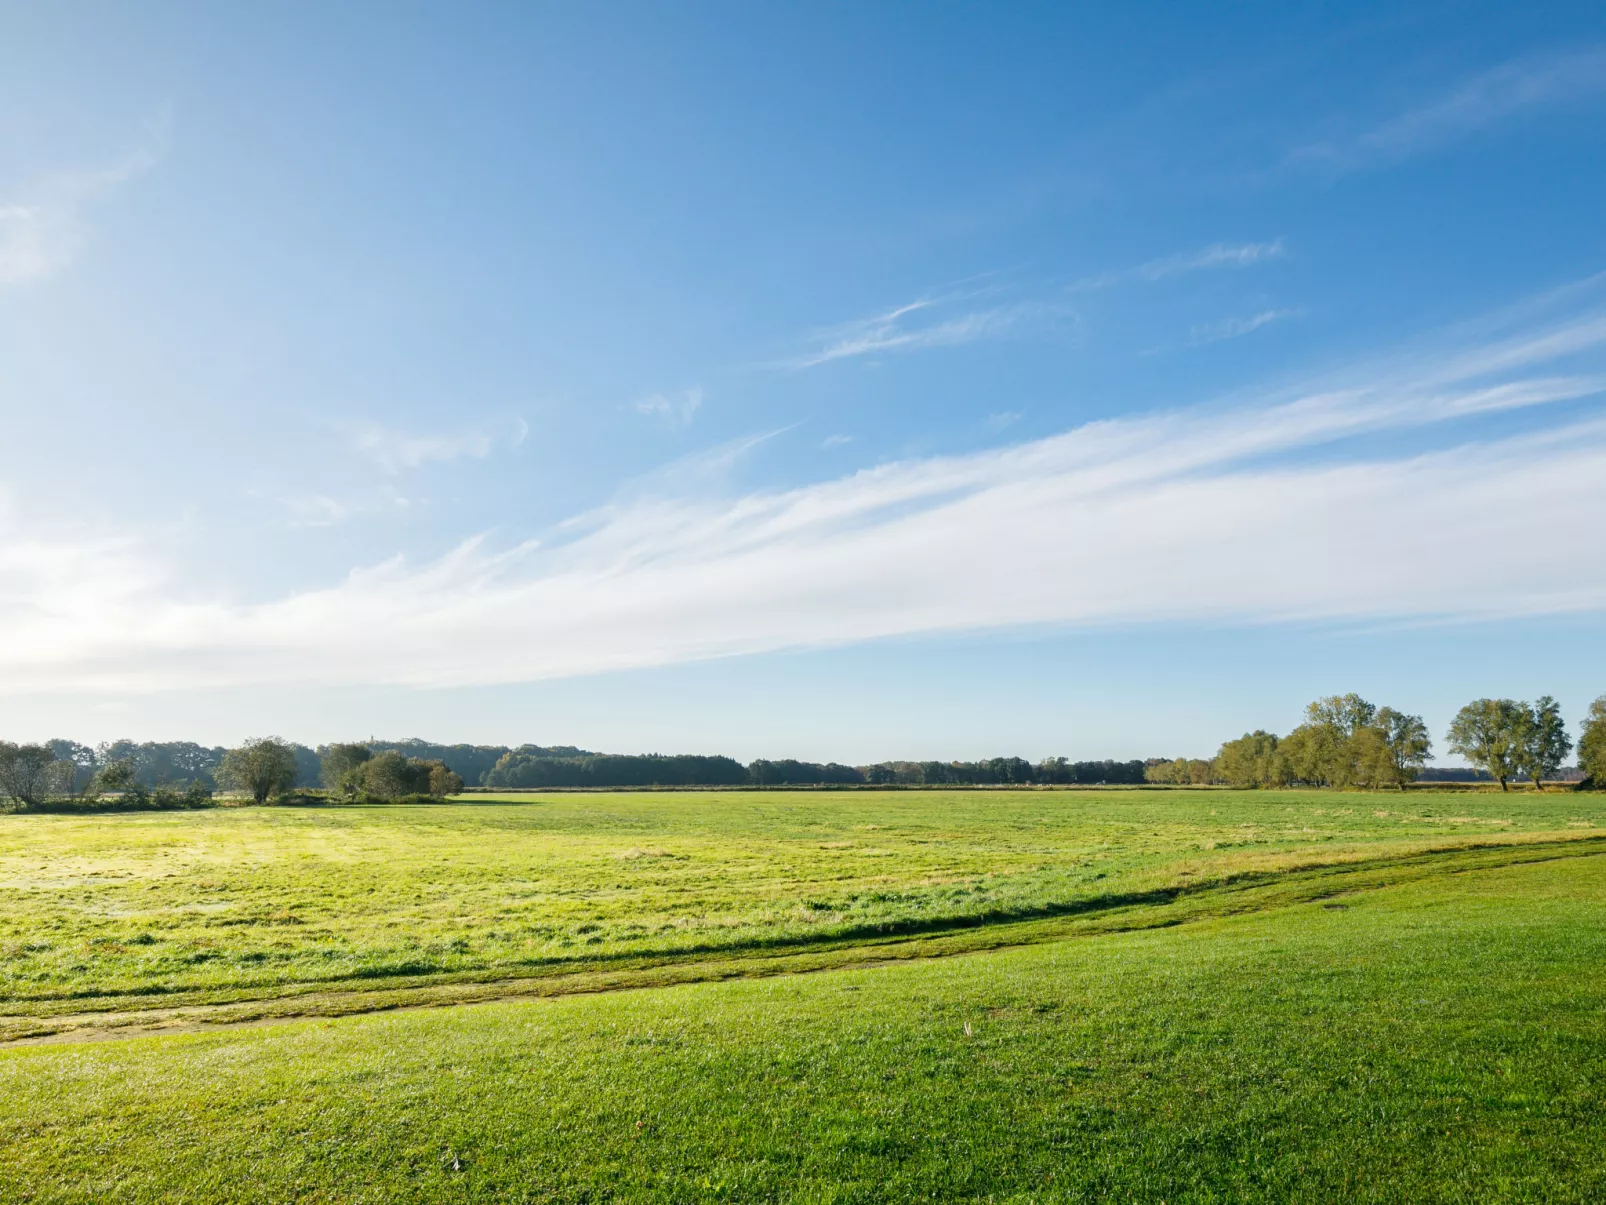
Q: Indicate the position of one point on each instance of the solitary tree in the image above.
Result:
(1487, 733)
(1592, 744)
(1542, 741)
(264, 767)
(27, 772)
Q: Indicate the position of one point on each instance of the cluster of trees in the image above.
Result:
(32, 774)
(1344, 742)
(1347, 742)
(471, 762)
(387, 773)
(1506, 738)
(157, 765)
(267, 768)
(181, 774)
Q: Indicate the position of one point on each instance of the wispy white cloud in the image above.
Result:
(1233, 328)
(835, 441)
(396, 451)
(1201, 514)
(1002, 420)
(1216, 255)
(971, 315)
(44, 229)
(676, 409)
(317, 509)
(927, 322)
(1479, 103)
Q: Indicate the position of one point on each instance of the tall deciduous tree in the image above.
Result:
(264, 767)
(1487, 732)
(1408, 745)
(27, 772)
(1542, 741)
(1344, 713)
(1592, 744)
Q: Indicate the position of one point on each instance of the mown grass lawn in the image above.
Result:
(1442, 1040)
(107, 912)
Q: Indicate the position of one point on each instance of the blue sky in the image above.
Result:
(850, 381)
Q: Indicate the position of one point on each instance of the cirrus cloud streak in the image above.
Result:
(1240, 515)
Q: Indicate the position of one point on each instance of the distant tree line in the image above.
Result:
(1344, 741)
(182, 773)
(528, 767)
(1006, 771)
(533, 766)
(790, 772)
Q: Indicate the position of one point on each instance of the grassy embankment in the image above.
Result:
(1441, 1039)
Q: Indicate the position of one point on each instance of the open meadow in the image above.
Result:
(1162, 995)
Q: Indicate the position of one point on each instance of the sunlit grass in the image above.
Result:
(99, 911)
(1439, 1041)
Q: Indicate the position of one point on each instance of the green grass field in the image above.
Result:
(1178, 996)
